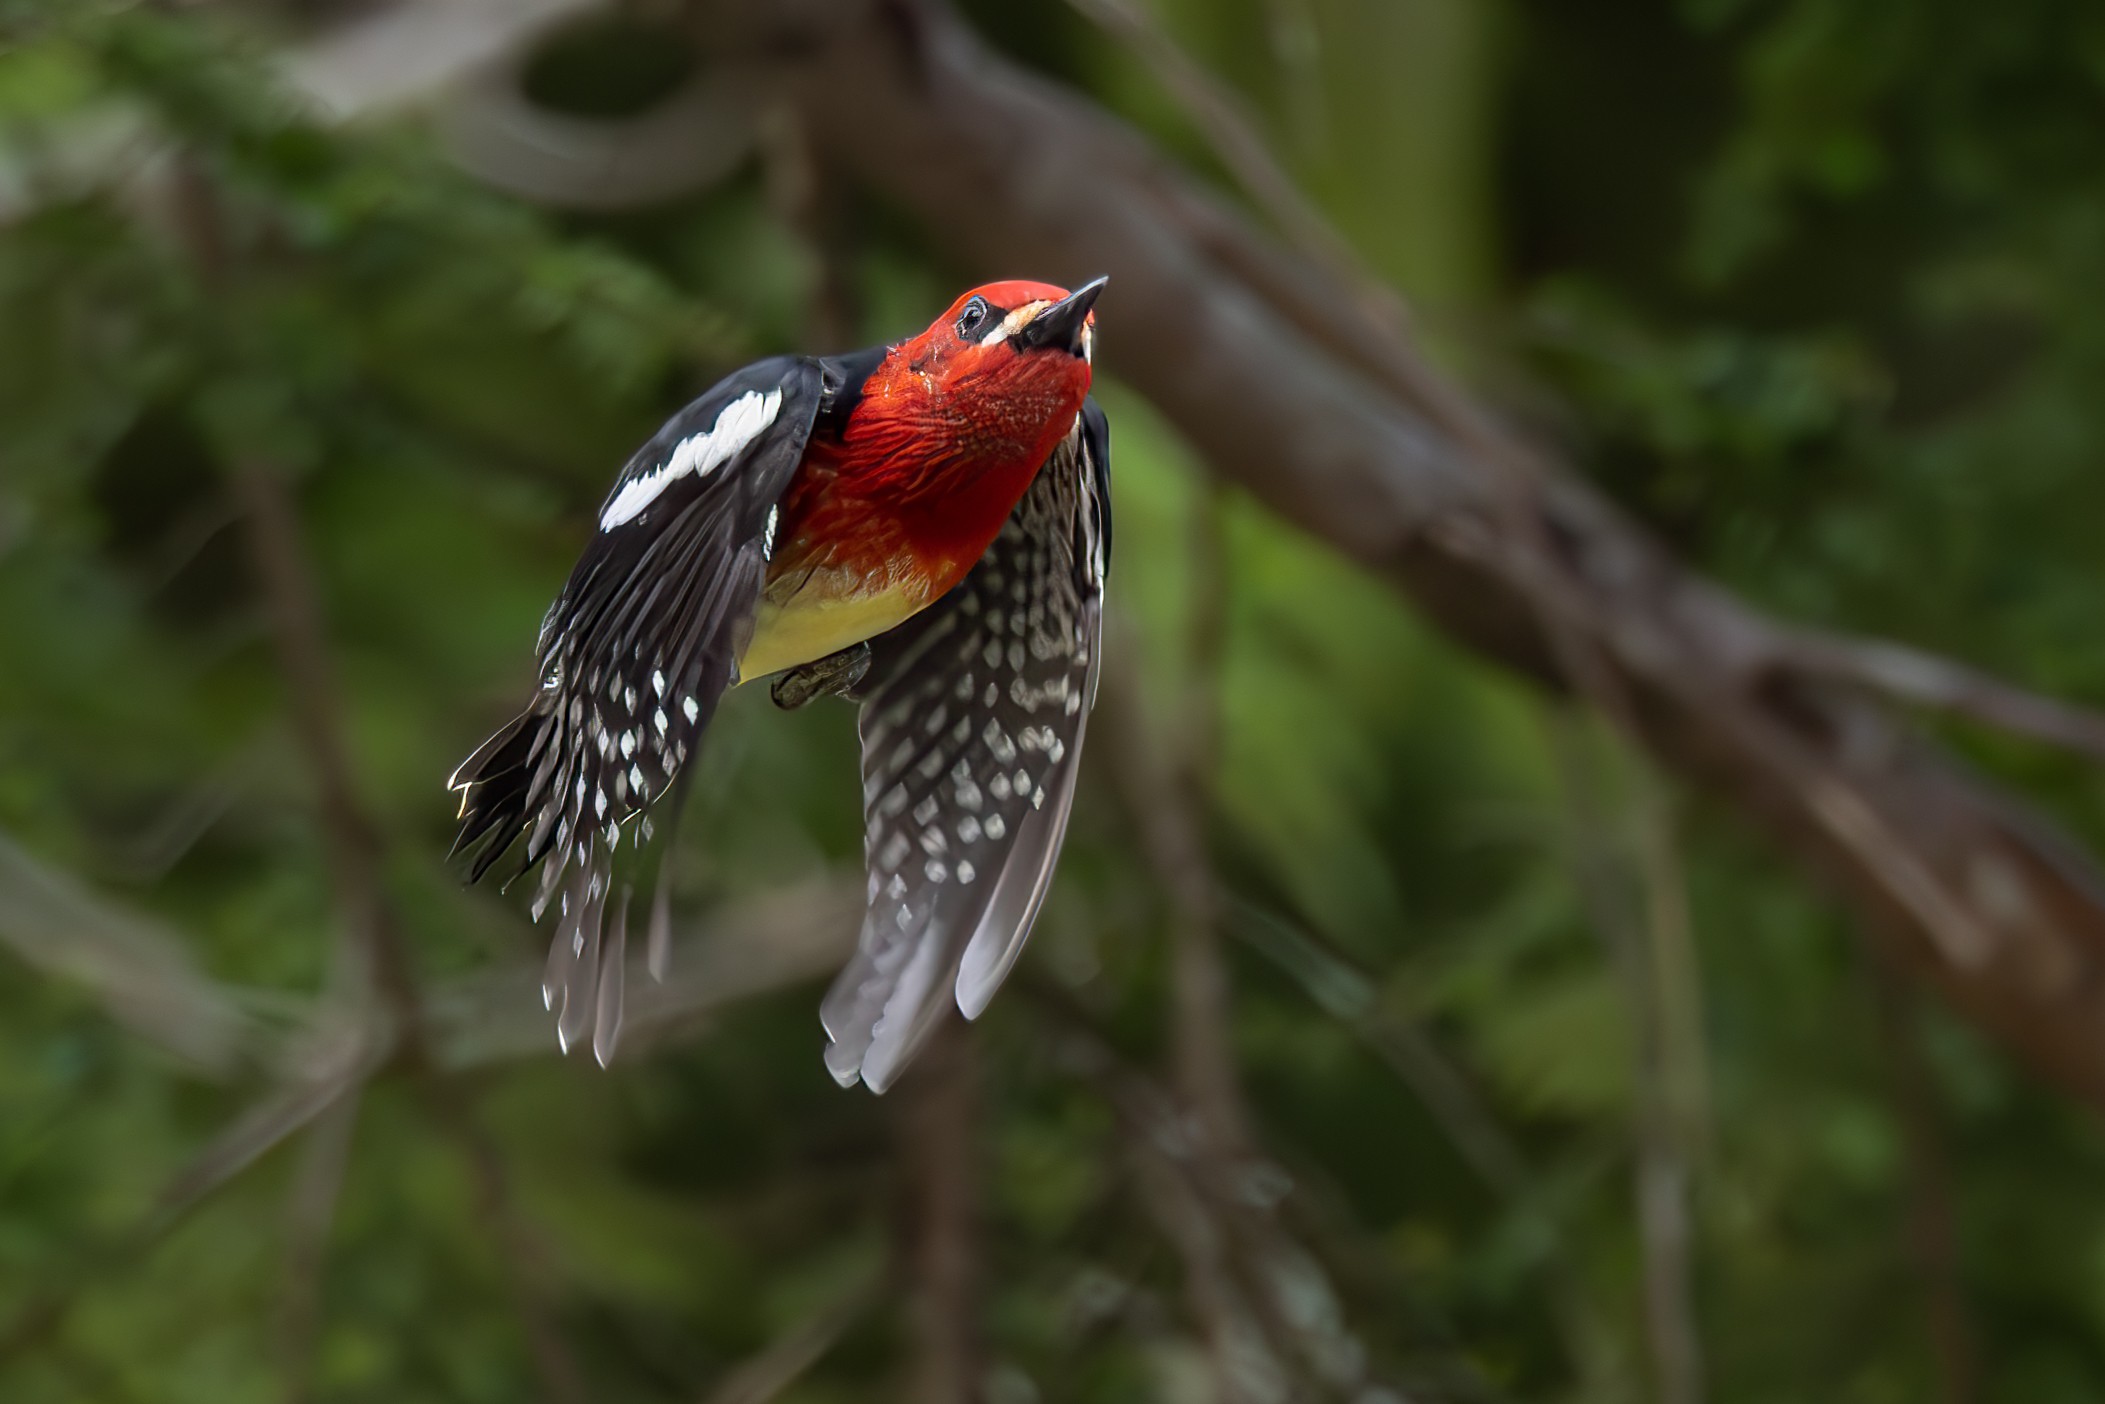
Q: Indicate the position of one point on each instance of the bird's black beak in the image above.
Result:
(1061, 324)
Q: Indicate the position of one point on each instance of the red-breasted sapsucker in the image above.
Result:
(923, 528)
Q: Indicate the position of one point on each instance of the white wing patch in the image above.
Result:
(701, 454)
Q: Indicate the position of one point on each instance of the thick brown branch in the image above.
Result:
(1336, 425)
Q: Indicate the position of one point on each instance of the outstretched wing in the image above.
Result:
(972, 721)
(634, 655)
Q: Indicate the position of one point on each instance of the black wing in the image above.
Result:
(972, 721)
(633, 656)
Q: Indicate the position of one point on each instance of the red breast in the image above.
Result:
(948, 432)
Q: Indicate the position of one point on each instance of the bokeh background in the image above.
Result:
(1397, 1030)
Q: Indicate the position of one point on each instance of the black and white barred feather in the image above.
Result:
(973, 713)
(633, 656)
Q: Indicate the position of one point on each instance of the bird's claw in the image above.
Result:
(835, 675)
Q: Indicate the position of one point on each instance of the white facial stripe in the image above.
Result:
(1015, 322)
(739, 423)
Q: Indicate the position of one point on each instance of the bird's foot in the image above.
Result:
(835, 675)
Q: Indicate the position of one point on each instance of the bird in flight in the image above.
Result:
(922, 528)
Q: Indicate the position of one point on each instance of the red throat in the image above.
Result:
(943, 443)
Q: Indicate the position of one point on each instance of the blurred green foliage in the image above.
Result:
(1817, 287)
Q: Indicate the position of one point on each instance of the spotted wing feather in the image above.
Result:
(972, 721)
(634, 655)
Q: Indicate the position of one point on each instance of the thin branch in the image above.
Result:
(398, 54)
(374, 955)
(331, 1068)
(1349, 995)
(1670, 944)
(1227, 126)
(150, 853)
(283, 1113)
(310, 1216)
(1659, 1132)
(1924, 679)
(1932, 1215)
(739, 951)
(806, 201)
(525, 1281)
(140, 969)
(767, 1375)
(939, 1128)
(1167, 786)
(1247, 1365)
(370, 954)
(1159, 800)
(371, 941)
(1174, 820)
(1278, 1306)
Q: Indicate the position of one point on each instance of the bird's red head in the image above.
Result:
(989, 388)
(1016, 330)
(947, 432)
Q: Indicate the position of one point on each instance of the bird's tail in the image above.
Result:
(555, 785)
(494, 786)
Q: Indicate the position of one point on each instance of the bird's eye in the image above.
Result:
(972, 318)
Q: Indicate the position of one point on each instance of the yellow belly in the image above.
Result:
(816, 621)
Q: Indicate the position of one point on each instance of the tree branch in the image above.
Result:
(786, 1360)
(139, 969)
(1337, 425)
(372, 944)
(372, 954)
(939, 1129)
(1350, 996)
(1280, 1312)
(1915, 676)
(1932, 1214)
(1168, 794)
(1660, 1130)
(309, 1217)
(1233, 134)
(372, 939)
